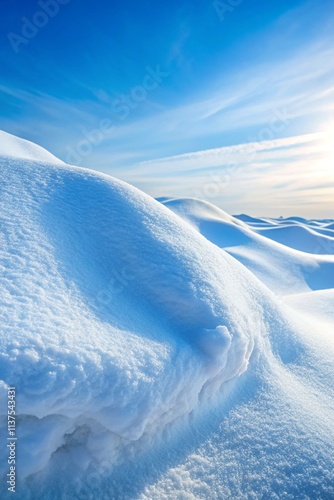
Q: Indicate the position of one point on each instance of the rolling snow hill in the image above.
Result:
(282, 268)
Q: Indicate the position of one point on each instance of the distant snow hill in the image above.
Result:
(275, 263)
(159, 348)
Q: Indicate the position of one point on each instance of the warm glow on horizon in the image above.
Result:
(326, 143)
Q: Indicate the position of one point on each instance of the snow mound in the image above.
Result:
(199, 210)
(301, 237)
(117, 317)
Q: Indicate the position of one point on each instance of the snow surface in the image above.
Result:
(160, 349)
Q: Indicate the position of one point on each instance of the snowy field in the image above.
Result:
(160, 349)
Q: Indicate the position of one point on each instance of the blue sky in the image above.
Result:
(156, 93)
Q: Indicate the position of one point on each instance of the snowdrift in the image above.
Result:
(308, 239)
(283, 269)
(116, 315)
(122, 326)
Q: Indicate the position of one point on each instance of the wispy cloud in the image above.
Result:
(271, 100)
(272, 177)
(228, 110)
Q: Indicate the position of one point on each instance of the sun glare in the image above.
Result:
(328, 138)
